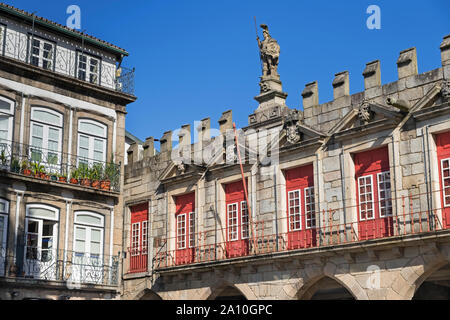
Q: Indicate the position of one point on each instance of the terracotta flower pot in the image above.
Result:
(63, 179)
(96, 184)
(27, 172)
(85, 182)
(73, 181)
(105, 185)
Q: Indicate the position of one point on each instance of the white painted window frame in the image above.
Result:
(46, 126)
(91, 137)
(181, 238)
(191, 230)
(40, 56)
(245, 225)
(359, 197)
(445, 204)
(87, 69)
(5, 215)
(233, 235)
(135, 238)
(144, 240)
(299, 214)
(309, 195)
(10, 116)
(90, 226)
(387, 192)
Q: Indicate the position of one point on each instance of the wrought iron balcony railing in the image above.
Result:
(56, 59)
(51, 165)
(325, 233)
(74, 268)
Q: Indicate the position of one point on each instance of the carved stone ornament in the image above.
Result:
(181, 167)
(364, 112)
(231, 153)
(292, 127)
(445, 91)
(264, 86)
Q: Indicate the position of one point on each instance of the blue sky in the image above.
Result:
(196, 59)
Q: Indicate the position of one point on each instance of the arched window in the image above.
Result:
(91, 141)
(46, 135)
(4, 211)
(41, 238)
(6, 119)
(88, 234)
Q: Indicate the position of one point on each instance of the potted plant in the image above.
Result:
(84, 175)
(54, 176)
(62, 177)
(15, 165)
(95, 175)
(109, 174)
(26, 168)
(3, 159)
(74, 176)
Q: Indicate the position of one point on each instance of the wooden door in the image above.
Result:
(139, 238)
(185, 228)
(237, 220)
(373, 190)
(443, 152)
(301, 214)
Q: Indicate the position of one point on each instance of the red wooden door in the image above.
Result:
(185, 228)
(139, 238)
(237, 220)
(373, 190)
(301, 214)
(443, 152)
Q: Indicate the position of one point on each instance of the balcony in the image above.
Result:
(43, 165)
(326, 234)
(59, 60)
(72, 268)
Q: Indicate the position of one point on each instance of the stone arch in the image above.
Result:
(417, 270)
(147, 294)
(214, 290)
(346, 280)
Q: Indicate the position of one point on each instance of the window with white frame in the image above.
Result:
(88, 235)
(91, 141)
(42, 53)
(41, 232)
(6, 119)
(46, 135)
(384, 194)
(135, 238)
(244, 220)
(144, 237)
(191, 229)
(310, 208)
(294, 210)
(445, 166)
(181, 231)
(88, 68)
(365, 186)
(232, 222)
(4, 211)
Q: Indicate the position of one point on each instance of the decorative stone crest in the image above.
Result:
(292, 127)
(181, 167)
(445, 91)
(231, 153)
(365, 115)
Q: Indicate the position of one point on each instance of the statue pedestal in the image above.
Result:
(272, 100)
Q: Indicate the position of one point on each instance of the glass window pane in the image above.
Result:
(80, 233)
(47, 117)
(88, 219)
(37, 131)
(92, 128)
(84, 142)
(95, 235)
(79, 245)
(42, 213)
(98, 145)
(95, 248)
(5, 106)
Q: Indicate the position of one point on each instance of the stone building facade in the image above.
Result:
(63, 97)
(348, 199)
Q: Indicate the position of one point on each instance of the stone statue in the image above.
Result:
(270, 52)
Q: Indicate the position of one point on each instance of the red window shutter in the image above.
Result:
(443, 155)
